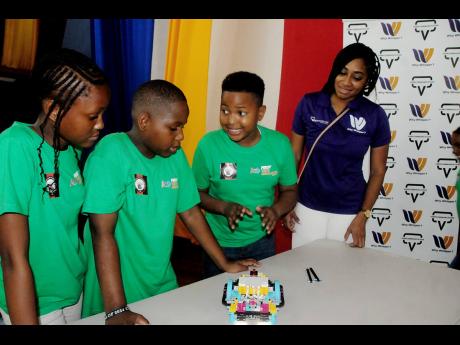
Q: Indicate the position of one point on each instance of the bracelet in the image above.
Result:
(116, 311)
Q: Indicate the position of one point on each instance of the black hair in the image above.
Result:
(457, 131)
(154, 93)
(62, 76)
(349, 53)
(245, 82)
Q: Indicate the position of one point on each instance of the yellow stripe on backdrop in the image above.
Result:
(187, 61)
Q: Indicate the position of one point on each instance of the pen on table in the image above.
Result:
(314, 274)
(309, 276)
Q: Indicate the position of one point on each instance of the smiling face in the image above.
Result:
(162, 132)
(81, 125)
(351, 80)
(239, 115)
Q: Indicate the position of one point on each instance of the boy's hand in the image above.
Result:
(127, 318)
(269, 217)
(290, 219)
(234, 213)
(240, 265)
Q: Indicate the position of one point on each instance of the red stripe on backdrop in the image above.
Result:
(309, 48)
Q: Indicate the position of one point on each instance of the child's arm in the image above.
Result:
(17, 274)
(287, 199)
(233, 211)
(108, 268)
(194, 220)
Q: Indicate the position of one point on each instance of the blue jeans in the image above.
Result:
(261, 249)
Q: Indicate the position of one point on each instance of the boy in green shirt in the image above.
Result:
(43, 263)
(137, 182)
(237, 169)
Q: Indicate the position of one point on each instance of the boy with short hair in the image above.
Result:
(237, 169)
(137, 182)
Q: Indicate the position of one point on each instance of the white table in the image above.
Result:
(358, 286)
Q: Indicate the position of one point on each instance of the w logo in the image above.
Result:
(420, 110)
(445, 192)
(391, 29)
(393, 136)
(423, 56)
(389, 84)
(443, 242)
(417, 165)
(386, 189)
(446, 138)
(412, 216)
(452, 83)
(381, 238)
(454, 25)
(357, 123)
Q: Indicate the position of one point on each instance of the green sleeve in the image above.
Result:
(188, 196)
(200, 168)
(16, 176)
(105, 189)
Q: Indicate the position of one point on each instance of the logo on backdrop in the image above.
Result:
(381, 214)
(390, 162)
(386, 190)
(445, 193)
(419, 137)
(446, 138)
(443, 243)
(450, 110)
(416, 165)
(442, 218)
(389, 84)
(454, 25)
(421, 83)
(412, 239)
(423, 56)
(414, 190)
(452, 54)
(390, 109)
(381, 239)
(447, 165)
(425, 26)
(389, 56)
(412, 217)
(452, 83)
(391, 30)
(357, 30)
(419, 112)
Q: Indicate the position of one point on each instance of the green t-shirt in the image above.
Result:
(147, 194)
(245, 175)
(56, 255)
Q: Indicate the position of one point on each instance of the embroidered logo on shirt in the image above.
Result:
(324, 122)
(52, 185)
(254, 171)
(76, 179)
(173, 183)
(228, 171)
(264, 170)
(140, 184)
(357, 123)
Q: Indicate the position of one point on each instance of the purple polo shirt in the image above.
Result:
(333, 180)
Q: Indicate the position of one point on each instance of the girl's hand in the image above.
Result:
(269, 217)
(290, 220)
(234, 213)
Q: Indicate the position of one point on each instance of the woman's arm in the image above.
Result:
(297, 143)
(17, 274)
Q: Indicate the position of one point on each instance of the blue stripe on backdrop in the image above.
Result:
(123, 49)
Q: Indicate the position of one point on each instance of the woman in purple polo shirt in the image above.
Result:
(334, 198)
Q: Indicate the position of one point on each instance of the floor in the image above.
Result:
(187, 260)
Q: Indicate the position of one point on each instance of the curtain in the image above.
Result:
(123, 49)
(20, 43)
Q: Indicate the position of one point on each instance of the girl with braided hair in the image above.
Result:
(334, 199)
(43, 263)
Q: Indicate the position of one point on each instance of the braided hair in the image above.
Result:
(62, 77)
(349, 53)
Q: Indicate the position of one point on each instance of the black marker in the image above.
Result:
(314, 274)
(309, 276)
